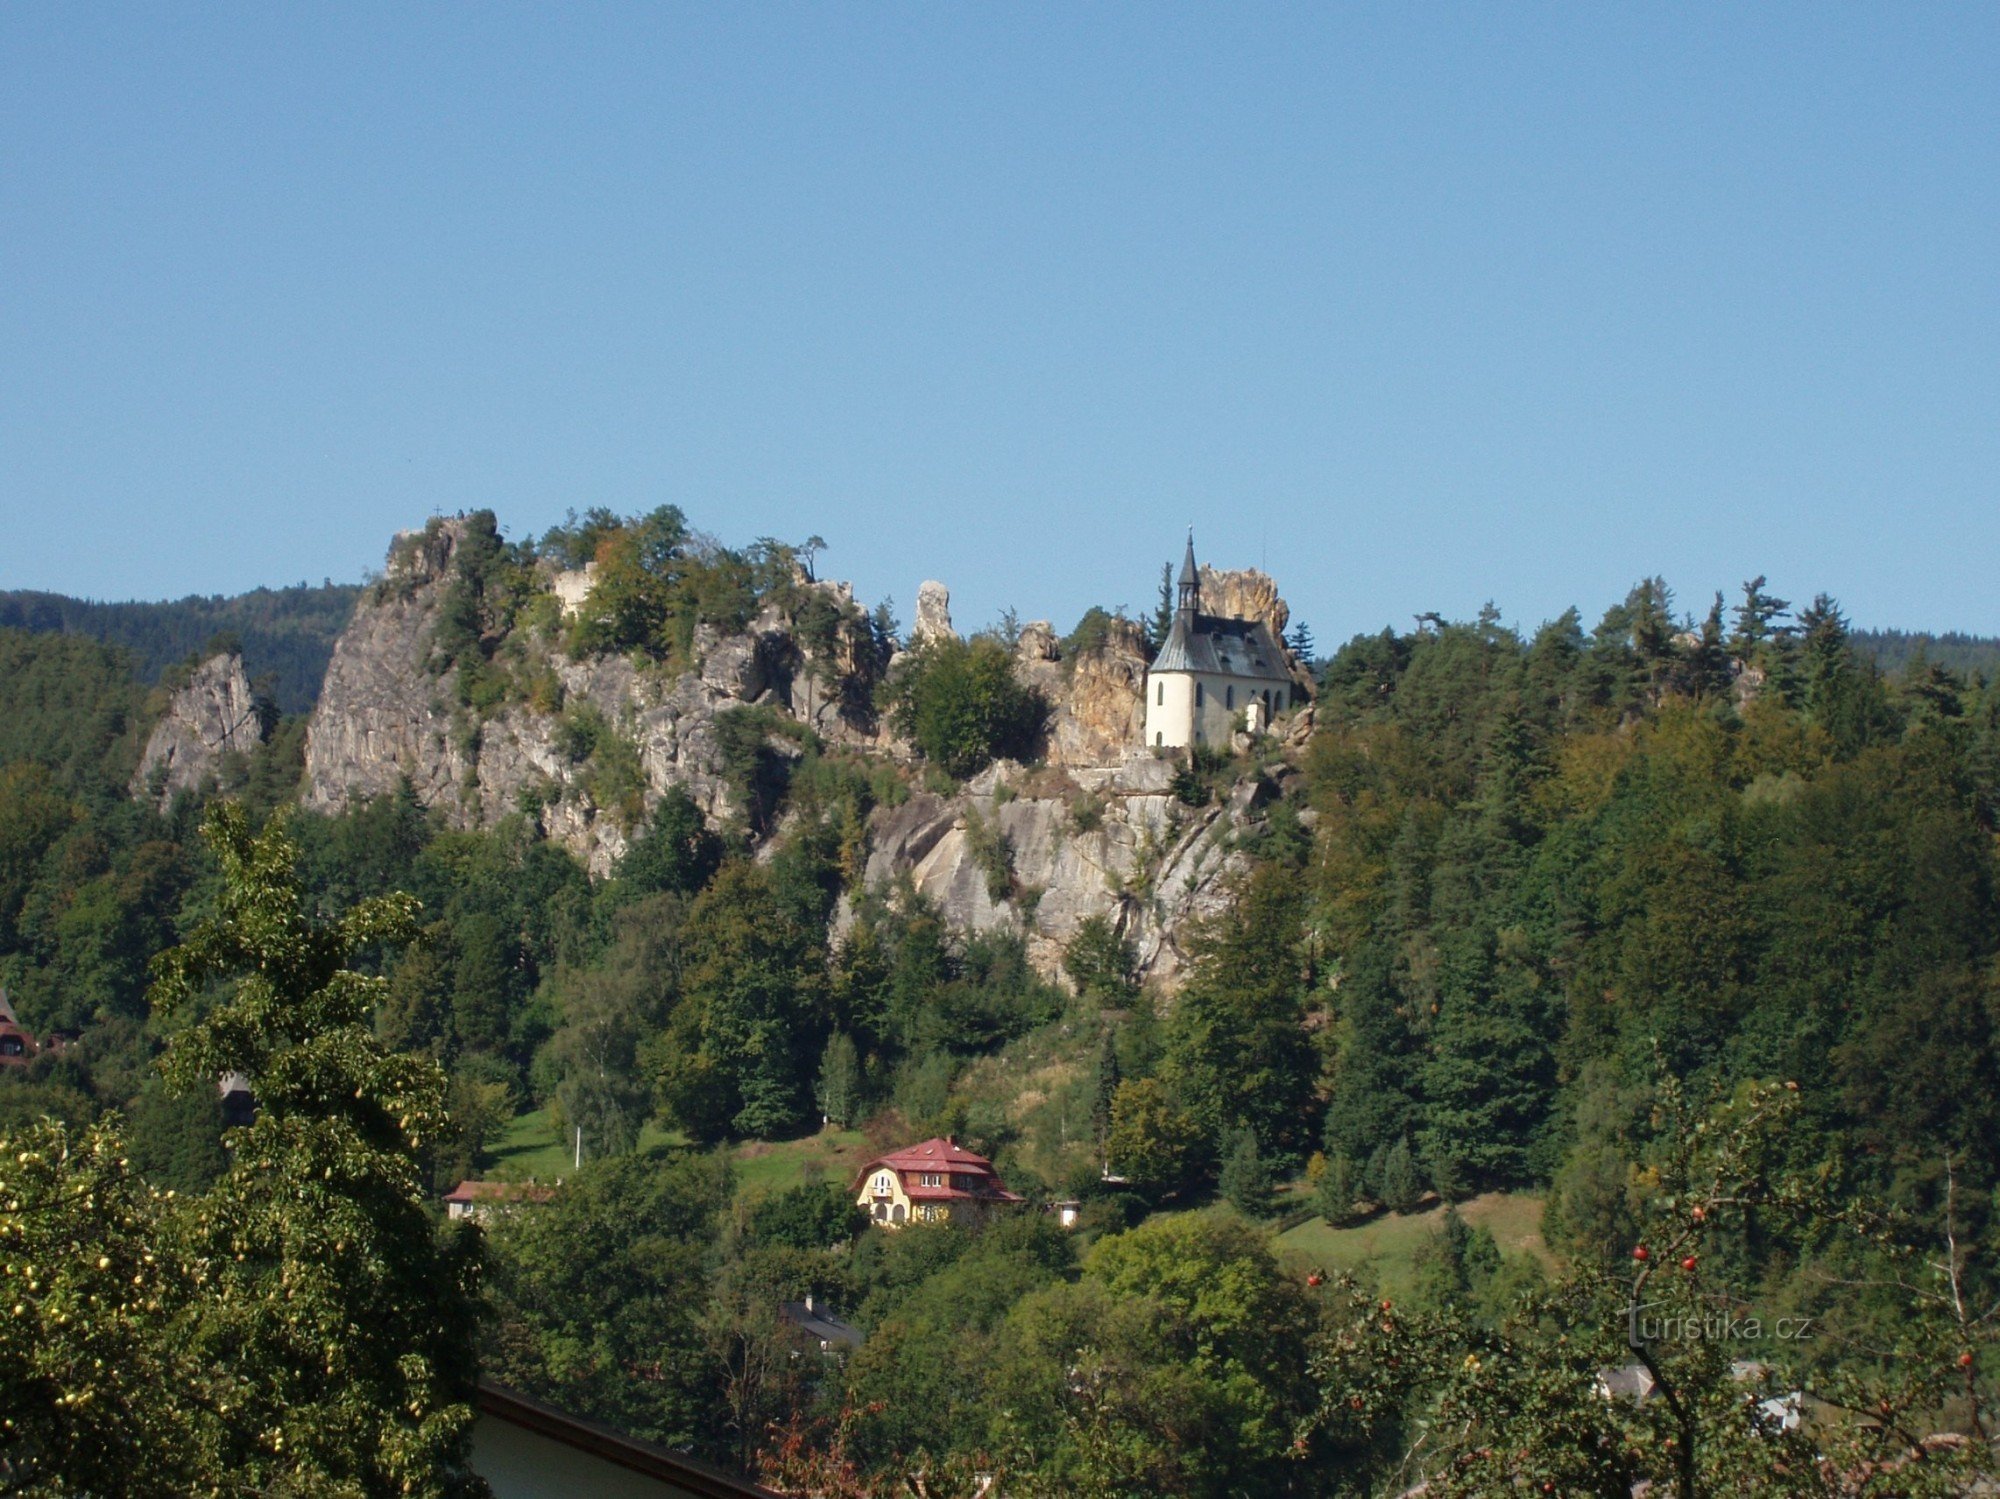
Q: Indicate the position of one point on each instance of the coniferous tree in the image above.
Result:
(839, 1089)
(1162, 621)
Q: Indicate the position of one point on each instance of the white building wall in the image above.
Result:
(1174, 721)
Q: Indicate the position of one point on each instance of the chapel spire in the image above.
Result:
(1190, 580)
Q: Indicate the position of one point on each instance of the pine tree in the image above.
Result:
(1400, 1187)
(1163, 611)
(839, 1089)
(1336, 1190)
(1107, 1086)
(1246, 1176)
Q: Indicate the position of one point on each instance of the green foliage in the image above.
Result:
(815, 1215)
(745, 1032)
(1153, 1142)
(285, 634)
(296, 1328)
(598, 1295)
(1246, 1179)
(1174, 1366)
(71, 706)
(341, 1334)
(990, 850)
(1102, 964)
(839, 1091)
(1090, 634)
(960, 704)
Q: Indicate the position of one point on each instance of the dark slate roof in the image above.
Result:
(1225, 647)
(820, 1323)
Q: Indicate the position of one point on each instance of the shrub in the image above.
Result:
(960, 704)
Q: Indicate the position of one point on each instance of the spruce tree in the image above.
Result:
(1163, 611)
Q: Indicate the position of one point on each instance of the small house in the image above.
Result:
(929, 1183)
(480, 1200)
(819, 1325)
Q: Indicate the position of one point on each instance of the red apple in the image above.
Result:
(1642, 1253)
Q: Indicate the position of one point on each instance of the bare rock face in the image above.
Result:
(1037, 642)
(1097, 699)
(1126, 852)
(1244, 594)
(385, 717)
(213, 715)
(382, 717)
(933, 613)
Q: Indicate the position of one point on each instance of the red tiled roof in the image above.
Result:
(933, 1155)
(945, 1157)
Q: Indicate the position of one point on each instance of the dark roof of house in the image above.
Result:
(613, 1446)
(1216, 645)
(821, 1323)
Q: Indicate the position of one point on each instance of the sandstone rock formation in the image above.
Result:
(1121, 848)
(214, 714)
(1095, 831)
(385, 717)
(933, 613)
(1097, 698)
(1244, 594)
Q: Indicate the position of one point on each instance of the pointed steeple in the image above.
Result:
(1190, 579)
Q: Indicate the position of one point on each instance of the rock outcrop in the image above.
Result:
(1096, 698)
(1245, 593)
(569, 756)
(1119, 847)
(933, 613)
(587, 748)
(213, 715)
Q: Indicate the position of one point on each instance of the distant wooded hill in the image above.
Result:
(286, 634)
(1892, 650)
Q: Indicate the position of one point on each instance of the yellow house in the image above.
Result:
(928, 1183)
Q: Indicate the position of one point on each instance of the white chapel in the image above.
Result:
(1212, 671)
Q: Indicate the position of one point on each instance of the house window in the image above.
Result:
(1159, 736)
(1281, 701)
(896, 1213)
(1160, 695)
(883, 1184)
(1229, 697)
(1197, 694)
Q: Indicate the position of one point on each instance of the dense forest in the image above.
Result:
(286, 635)
(1684, 927)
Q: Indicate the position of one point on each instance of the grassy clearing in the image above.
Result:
(531, 1147)
(1382, 1249)
(767, 1166)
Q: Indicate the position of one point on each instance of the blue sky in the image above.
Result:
(1418, 305)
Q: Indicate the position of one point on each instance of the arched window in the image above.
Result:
(1197, 694)
(1159, 737)
(896, 1213)
(1160, 700)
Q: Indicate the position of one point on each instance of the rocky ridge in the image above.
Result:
(1093, 831)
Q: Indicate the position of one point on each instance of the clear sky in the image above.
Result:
(1419, 305)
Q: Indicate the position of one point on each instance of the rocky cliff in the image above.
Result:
(213, 714)
(1094, 830)
(385, 715)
